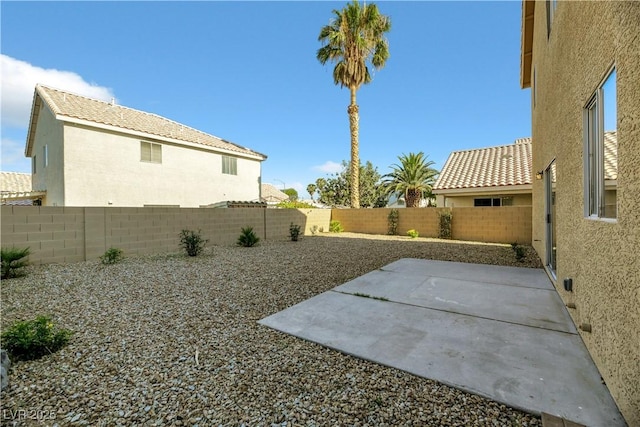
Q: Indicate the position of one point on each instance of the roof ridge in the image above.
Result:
(513, 144)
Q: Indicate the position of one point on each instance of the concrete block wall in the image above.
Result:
(505, 224)
(62, 234)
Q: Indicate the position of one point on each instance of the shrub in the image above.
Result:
(248, 238)
(112, 256)
(519, 251)
(192, 242)
(13, 262)
(33, 339)
(294, 232)
(445, 225)
(413, 233)
(392, 220)
(294, 204)
(335, 227)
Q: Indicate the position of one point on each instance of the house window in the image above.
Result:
(487, 202)
(601, 151)
(150, 152)
(33, 165)
(551, 11)
(229, 165)
(45, 155)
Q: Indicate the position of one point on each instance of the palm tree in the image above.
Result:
(353, 38)
(311, 189)
(413, 178)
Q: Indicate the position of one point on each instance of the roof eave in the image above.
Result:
(33, 122)
(470, 191)
(526, 43)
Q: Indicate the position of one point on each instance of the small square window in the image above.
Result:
(229, 165)
(150, 152)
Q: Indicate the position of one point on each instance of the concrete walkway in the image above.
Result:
(500, 332)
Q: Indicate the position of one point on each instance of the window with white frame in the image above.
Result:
(45, 155)
(488, 201)
(150, 152)
(229, 165)
(601, 151)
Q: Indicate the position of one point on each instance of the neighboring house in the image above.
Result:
(86, 152)
(271, 195)
(582, 63)
(16, 189)
(494, 176)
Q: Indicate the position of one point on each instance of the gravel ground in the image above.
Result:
(172, 340)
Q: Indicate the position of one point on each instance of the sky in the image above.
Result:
(247, 72)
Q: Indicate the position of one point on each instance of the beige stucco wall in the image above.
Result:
(103, 168)
(603, 258)
(49, 131)
(466, 201)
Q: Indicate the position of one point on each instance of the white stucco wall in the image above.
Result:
(103, 168)
(49, 131)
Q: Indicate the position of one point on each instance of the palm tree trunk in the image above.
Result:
(352, 110)
(411, 198)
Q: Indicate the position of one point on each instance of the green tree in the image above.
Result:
(336, 190)
(292, 193)
(311, 189)
(413, 178)
(353, 39)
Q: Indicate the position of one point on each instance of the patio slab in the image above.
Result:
(500, 332)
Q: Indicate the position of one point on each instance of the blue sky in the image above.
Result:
(247, 72)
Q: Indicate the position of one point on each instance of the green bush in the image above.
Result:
(294, 204)
(413, 233)
(392, 220)
(519, 251)
(248, 238)
(112, 256)
(33, 339)
(445, 225)
(192, 242)
(335, 227)
(13, 262)
(294, 232)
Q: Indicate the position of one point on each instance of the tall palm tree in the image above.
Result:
(413, 178)
(353, 38)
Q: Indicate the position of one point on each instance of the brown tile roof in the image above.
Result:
(272, 194)
(79, 107)
(505, 165)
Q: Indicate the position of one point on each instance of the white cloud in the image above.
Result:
(19, 79)
(329, 167)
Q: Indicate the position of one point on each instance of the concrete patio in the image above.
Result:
(500, 332)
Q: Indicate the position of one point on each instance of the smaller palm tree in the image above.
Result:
(413, 178)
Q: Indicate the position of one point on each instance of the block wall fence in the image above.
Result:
(72, 234)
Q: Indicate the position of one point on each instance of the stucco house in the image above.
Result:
(86, 152)
(581, 61)
(493, 176)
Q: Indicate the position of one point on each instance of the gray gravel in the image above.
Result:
(172, 340)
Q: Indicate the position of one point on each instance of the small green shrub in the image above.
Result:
(335, 227)
(445, 224)
(392, 220)
(413, 233)
(33, 339)
(13, 262)
(294, 232)
(519, 251)
(294, 204)
(192, 242)
(314, 230)
(247, 237)
(112, 256)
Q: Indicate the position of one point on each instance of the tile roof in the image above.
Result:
(79, 107)
(611, 155)
(504, 165)
(271, 194)
(15, 182)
